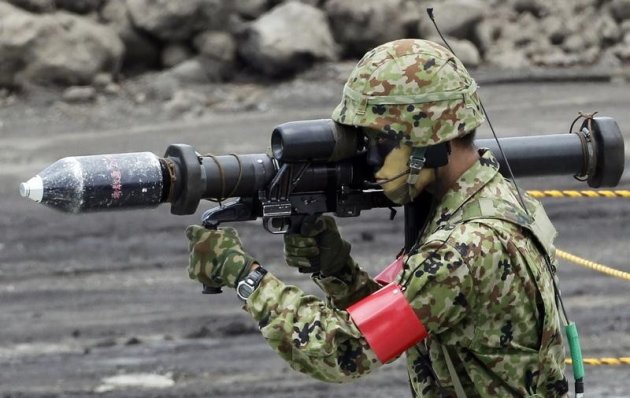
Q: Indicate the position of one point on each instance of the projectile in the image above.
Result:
(81, 184)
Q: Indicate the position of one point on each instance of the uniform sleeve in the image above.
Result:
(350, 286)
(312, 337)
(438, 285)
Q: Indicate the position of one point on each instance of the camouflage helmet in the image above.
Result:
(415, 90)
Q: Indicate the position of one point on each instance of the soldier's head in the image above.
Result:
(415, 101)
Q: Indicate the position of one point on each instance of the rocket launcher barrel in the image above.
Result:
(329, 158)
(597, 156)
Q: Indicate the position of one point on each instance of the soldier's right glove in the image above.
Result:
(216, 256)
(317, 248)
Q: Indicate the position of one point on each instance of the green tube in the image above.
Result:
(576, 352)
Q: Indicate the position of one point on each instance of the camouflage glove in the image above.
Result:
(317, 248)
(216, 256)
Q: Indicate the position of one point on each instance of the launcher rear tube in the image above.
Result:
(558, 154)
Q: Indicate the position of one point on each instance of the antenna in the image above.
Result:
(507, 163)
(570, 328)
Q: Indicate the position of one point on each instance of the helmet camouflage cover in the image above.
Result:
(414, 90)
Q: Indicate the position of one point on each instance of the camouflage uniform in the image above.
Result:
(466, 282)
(477, 278)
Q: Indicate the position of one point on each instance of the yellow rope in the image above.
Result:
(593, 265)
(623, 193)
(602, 361)
(586, 263)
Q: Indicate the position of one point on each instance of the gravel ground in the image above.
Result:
(87, 300)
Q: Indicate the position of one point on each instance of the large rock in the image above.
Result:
(217, 54)
(555, 28)
(175, 53)
(79, 94)
(250, 9)
(314, 3)
(141, 51)
(578, 42)
(216, 45)
(607, 29)
(360, 25)
(178, 20)
(554, 58)
(507, 58)
(622, 51)
(519, 30)
(620, 9)
(578, 38)
(464, 49)
(80, 6)
(54, 48)
(456, 18)
(507, 40)
(35, 5)
(486, 33)
(538, 8)
(287, 39)
(189, 72)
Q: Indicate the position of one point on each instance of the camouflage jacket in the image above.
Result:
(477, 280)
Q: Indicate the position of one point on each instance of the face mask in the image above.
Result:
(393, 176)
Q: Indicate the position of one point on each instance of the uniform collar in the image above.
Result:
(466, 186)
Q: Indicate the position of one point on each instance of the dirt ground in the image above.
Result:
(87, 300)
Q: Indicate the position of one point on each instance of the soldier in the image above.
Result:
(471, 304)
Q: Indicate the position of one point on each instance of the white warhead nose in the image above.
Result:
(33, 189)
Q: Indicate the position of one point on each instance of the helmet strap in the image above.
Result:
(416, 163)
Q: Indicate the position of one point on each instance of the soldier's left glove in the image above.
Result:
(216, 256)
(317, 248)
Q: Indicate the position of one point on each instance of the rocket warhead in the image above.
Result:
(81, 184)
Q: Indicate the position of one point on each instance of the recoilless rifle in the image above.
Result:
(315, 167)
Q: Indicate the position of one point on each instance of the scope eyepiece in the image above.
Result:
(320, 140)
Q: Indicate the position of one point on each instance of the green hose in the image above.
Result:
(576, 357)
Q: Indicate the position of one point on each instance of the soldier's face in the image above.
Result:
(393, 170)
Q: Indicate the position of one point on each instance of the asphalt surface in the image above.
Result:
(99, 304)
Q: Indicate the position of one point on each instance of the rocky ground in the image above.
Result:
(62, 42)
(99, 304)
